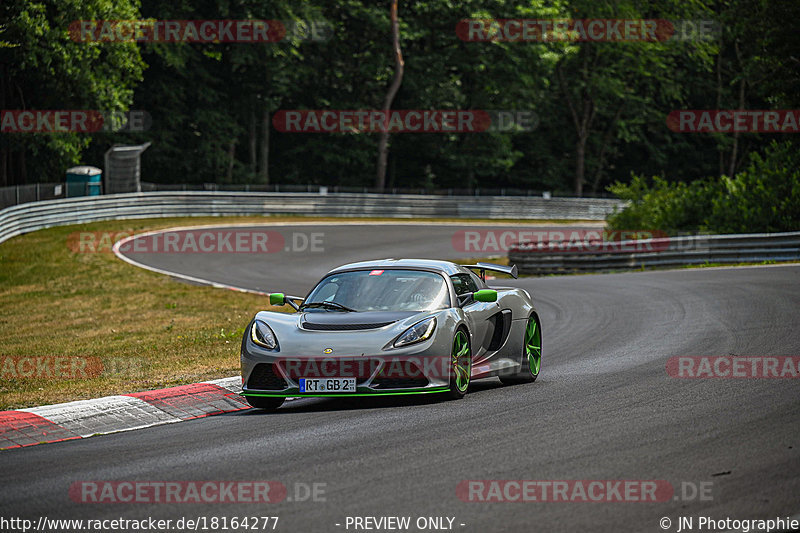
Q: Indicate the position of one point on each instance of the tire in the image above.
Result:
(269, 403)
(461, 366)
(531, 362)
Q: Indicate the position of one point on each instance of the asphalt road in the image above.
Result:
(305, 252)
(603, 408)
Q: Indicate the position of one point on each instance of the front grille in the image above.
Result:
(263, 377)
(361, 368)
(342, 327)
(399, 383)
(405, 376)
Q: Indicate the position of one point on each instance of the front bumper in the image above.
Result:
(375, 375)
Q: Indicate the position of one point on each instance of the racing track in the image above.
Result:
(603, 408)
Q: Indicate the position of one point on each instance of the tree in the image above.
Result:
(601, 105)
(42, 68)
(383, 144)
(612, 90)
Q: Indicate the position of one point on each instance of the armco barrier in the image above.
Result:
(32, 216)
(532, 258)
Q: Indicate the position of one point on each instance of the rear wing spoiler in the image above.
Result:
(491, 267)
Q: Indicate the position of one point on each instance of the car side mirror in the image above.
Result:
(485, 295)
(278, 298)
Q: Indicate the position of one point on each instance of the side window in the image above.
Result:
(463, 283)
(479, 284)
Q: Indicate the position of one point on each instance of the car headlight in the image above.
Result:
(416, 333)
(262, 335)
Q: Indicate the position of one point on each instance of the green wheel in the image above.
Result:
(265, 402)
(531, 361)
(460, 365)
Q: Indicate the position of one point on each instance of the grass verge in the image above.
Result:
(115, 328)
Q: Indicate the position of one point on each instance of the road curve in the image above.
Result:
(304, 251)
(604, 408)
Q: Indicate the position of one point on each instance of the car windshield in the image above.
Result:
(379, 290)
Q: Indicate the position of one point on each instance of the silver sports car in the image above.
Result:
(392, 326)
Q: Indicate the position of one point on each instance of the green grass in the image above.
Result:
(147, 330)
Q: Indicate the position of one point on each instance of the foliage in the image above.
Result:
(43, 68)
(601, 105)
(765, 197)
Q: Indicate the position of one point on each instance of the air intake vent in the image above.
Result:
(410, 377)
(263, 377)
(342, 327)
(399, 383)
(361, 368)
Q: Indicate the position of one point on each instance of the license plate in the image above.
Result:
(327, 385)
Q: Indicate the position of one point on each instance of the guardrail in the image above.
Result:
(564, 257)
(28, 217)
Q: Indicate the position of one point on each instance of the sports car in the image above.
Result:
(392, 326)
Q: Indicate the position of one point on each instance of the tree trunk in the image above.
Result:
(602, 157)
(735, 149)
(3, 150)
(719, 106)
(23, 169)
(580, 165)
(392, 172)
(399, 64)
(231, 158)
(3, 167)
(264, 177)
(252, 144)
(582, 122)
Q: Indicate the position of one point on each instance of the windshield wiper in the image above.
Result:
(327, 305)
